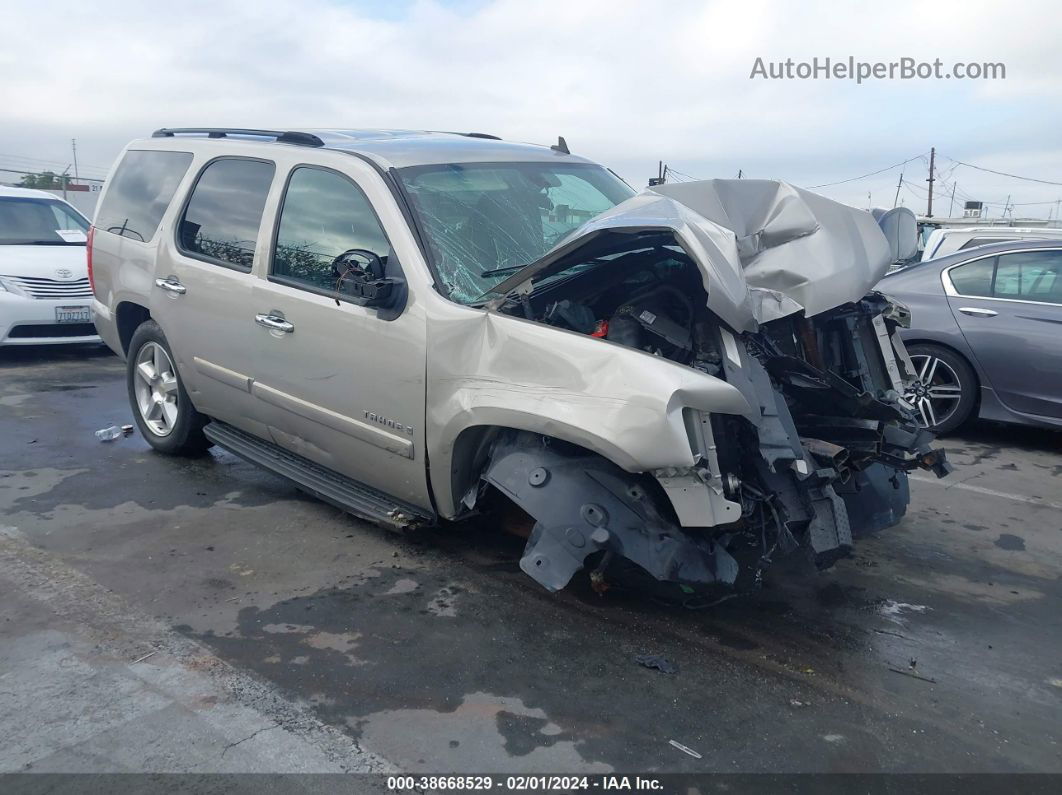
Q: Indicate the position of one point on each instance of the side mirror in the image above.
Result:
(359, 273)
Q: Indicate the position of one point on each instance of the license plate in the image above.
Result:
(73, 314)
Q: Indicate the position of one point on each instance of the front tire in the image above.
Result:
(944, 390)
(161, 407)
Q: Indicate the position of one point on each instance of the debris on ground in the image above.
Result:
(110, 433)
(685, 749)
(127, 430)
(658, 662)
(794, 703)
(913, 675)
(894, 611)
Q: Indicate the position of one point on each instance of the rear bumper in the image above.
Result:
(32, 321)
(106, 327)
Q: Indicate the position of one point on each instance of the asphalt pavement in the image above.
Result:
(173, 615)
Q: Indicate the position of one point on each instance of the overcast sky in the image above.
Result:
(626, 83)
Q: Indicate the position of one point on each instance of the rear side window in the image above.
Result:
(140, 191)
(324, 216)
(974, 278)
(220, 223)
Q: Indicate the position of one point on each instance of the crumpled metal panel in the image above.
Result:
(489, 369)
(584, 504)
(766, 249)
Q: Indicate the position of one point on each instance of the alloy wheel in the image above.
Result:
(935, 391)
(155, 386)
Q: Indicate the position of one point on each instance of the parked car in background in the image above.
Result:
(986, 334)
(942, 242)
(45, 297)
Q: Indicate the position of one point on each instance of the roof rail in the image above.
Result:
(281, 136)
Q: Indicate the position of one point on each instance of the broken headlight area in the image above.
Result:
(823, 455)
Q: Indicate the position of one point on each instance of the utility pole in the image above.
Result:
(899, 182)
(869, 201)
(739, 173)
(951, 208)
(661, 174)
(73, 148)
(932, 159)
(1005, 206)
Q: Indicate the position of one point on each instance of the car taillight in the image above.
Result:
(88, 258)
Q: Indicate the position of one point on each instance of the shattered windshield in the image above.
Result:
(484, 221)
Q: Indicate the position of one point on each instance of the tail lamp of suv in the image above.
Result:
(88, 258)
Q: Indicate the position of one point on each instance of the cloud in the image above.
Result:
(626, 83)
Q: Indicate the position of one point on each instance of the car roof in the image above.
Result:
(395, 148)
(998, 230)
(26, 193)
(974, 253)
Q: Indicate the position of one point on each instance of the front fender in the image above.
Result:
(486, 369)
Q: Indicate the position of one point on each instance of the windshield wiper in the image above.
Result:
(500, 271)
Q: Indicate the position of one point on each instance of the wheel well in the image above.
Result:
(128, 317)
(472, 453)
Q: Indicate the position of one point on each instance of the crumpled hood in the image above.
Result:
(766, 249)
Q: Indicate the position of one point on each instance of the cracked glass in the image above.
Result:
(485, 221)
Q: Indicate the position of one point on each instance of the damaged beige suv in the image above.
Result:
(417, 326)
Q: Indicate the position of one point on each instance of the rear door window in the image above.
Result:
(1029, 276)
(140, 191)
(325, 216)
(221, 220)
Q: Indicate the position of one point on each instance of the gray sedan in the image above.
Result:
(986, 334)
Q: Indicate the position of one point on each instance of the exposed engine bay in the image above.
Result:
(826, 457)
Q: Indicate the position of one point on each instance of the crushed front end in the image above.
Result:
(778, 305)
(830, 455)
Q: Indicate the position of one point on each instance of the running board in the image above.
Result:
(338, 490)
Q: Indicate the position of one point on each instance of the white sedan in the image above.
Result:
(45, 295)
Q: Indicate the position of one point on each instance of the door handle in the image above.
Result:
(171, 285)
(274, 323)
(977, 311)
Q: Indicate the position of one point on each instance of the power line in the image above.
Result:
(871, 174)
(1002, 173)
(44, 160)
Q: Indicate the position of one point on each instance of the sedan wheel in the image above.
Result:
(944, 388)
(156, 389)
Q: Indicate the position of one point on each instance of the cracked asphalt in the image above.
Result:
(171, 615)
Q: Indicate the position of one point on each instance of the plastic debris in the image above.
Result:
(685, 749)
(110, 433)
(661, 664)
(127, 430)
(929, 679)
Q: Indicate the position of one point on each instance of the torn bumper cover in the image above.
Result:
(584, 504)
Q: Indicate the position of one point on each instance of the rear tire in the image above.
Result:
(161, 408)
(948, 397)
